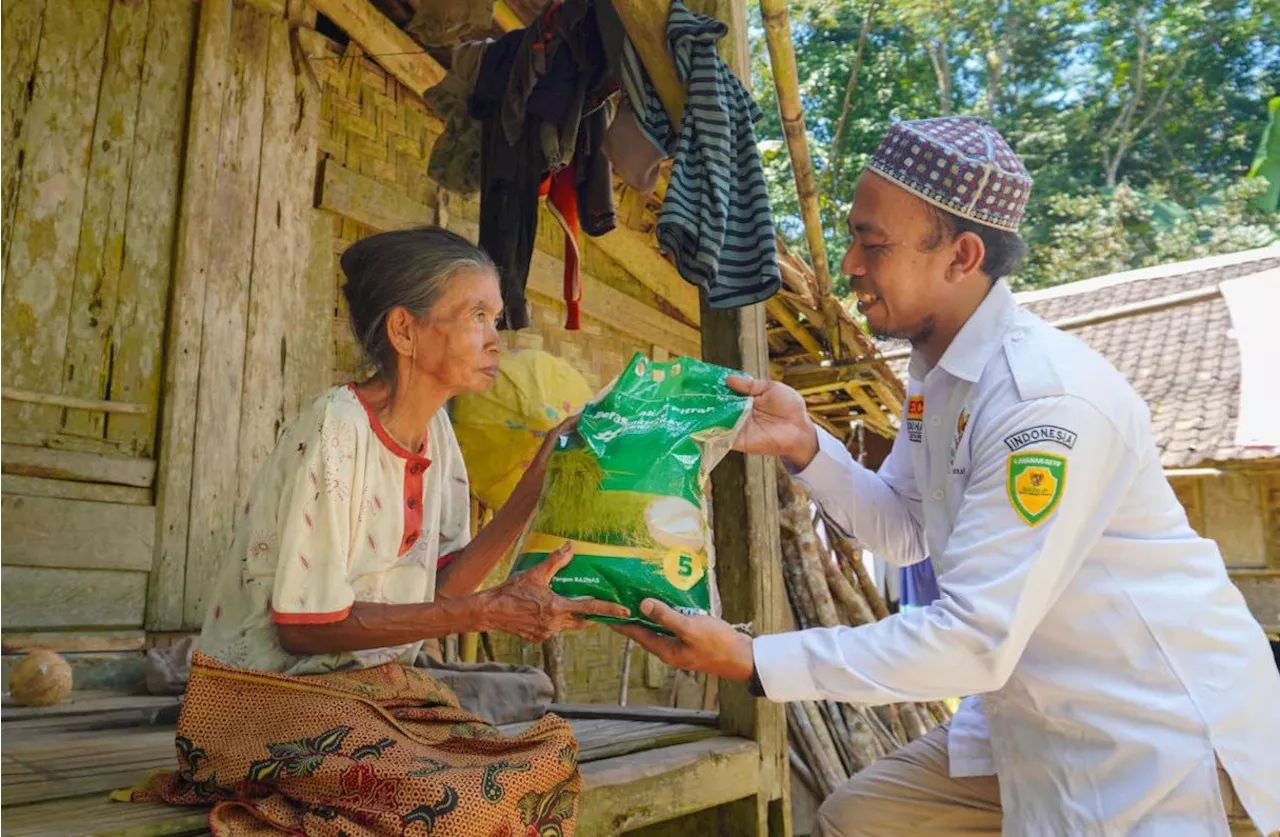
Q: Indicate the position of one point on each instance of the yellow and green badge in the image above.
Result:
(1036, 483)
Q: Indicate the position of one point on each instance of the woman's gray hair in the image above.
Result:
(402, 269)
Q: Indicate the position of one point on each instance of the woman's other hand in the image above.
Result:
(525, 606)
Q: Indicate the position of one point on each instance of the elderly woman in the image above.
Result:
(304, 714)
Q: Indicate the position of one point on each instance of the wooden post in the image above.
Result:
(186, 318)
(748, 563)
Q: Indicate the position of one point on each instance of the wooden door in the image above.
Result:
(94, 108)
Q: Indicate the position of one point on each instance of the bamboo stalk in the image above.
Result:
(804, 749)
(852, 599)
(826, 744)
(804, 774)
(782, 57)
(839, 735)
(889, 717)
(883, 735)
(793, 570)
(796, 517)
(862, 738)
(912, 723)
(822, 766)
(851, 563)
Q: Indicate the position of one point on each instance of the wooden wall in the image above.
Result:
(94, 108)
(375, 138)
(1240, 510)
(247, 337)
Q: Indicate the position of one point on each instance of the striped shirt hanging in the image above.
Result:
(715, 219)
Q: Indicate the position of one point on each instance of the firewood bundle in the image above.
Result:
(828, 586)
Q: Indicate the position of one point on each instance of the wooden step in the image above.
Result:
(619, 794)
(98, 816)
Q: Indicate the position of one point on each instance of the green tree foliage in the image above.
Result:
(1139, 119)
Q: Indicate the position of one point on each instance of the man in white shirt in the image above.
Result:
(1119, 685)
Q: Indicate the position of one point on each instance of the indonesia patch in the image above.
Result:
(1036, 482)
(1040, 434)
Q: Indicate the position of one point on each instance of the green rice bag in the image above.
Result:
(628, 488)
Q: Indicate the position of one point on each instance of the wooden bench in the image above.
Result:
(640, 766)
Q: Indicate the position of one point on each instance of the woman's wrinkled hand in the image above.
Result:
(525, 606)
(548, 446)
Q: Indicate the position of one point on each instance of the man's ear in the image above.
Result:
(968, 253)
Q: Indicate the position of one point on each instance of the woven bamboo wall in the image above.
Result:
(373, 126)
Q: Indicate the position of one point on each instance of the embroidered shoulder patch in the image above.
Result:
(1040, 434)
(1036, 482)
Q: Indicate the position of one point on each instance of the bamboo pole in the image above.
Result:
(821, 764)
(852, 563)
(833, 161)
(912, 722)
(854, 602)
(834, 720)
(802, 772)
(862, 738)
(782, 57)
(826, 743)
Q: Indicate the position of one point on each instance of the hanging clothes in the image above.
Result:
(715, 220)
(540, 97)
(455, 157)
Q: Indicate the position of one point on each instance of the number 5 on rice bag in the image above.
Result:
(629, 488)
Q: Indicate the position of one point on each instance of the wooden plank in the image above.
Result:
(574, 711)
(281, 250)
(88, 703)
(1270, 487)
(399, 55)
(1233, 517)
(21, 38)
(73, 465)
(86, 367)
(76, 534)
(73, 642)
(369, 202)
(66, 766)
(599, 301)
(309, 359)
(73, 402)
(215, 489)
(646, 25)
(49, 202)
(382, 208)
(37, 487)
(97, 816)
(186, 317)
(629, 792)
(640, 255)
(89, 598)
(1188, 492)
(155, 187)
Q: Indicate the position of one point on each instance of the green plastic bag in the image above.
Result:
(628, 487)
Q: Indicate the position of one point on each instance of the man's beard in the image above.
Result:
(915, 336)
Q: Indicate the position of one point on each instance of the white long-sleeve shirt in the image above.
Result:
(1111, 659)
